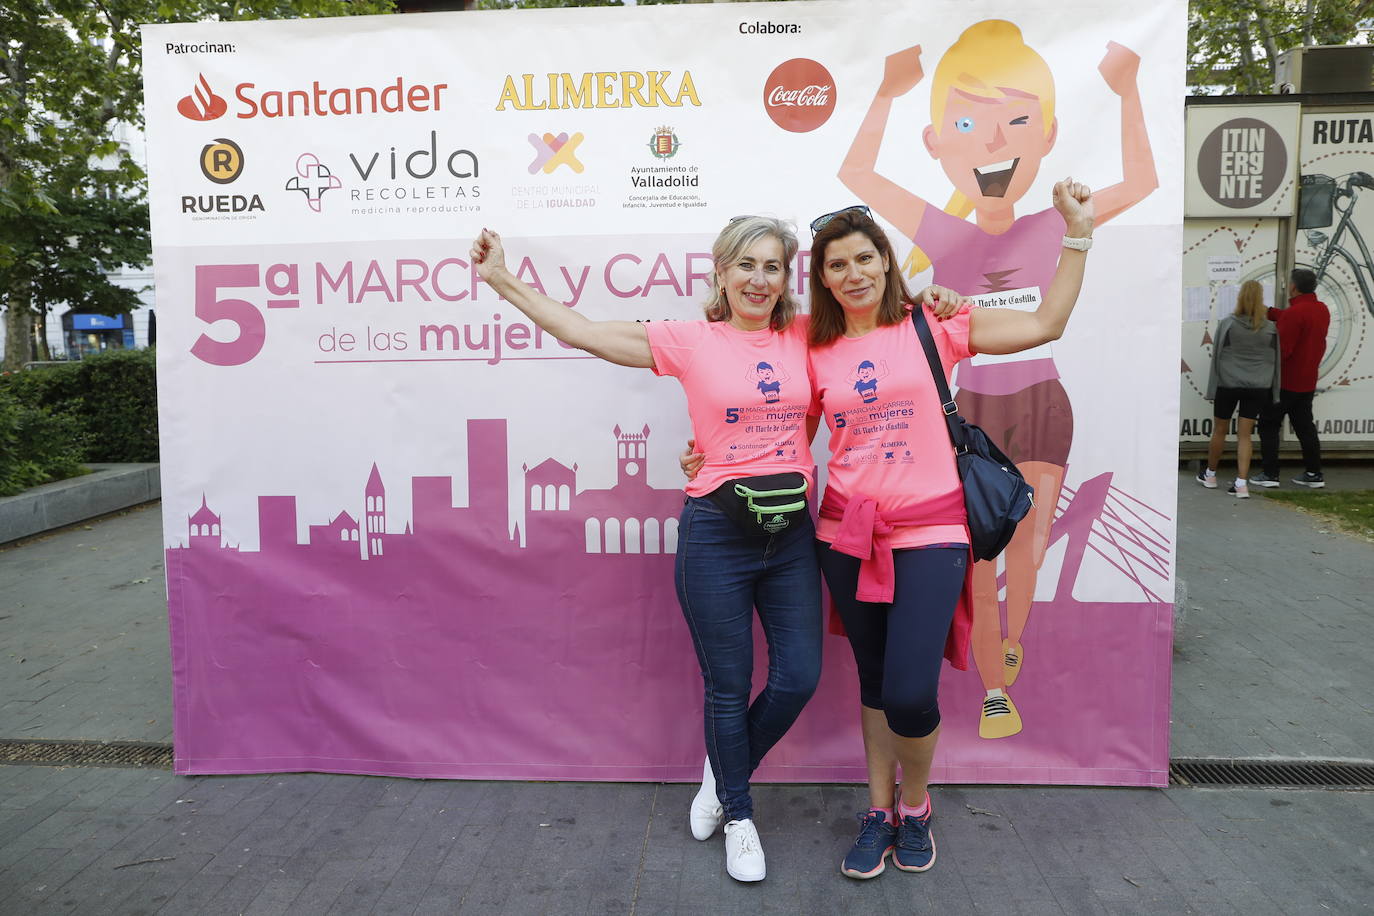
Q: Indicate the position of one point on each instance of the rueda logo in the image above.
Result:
(202, 104)
(221, 161)
(799, 95)
(312, 179)
(550, 152)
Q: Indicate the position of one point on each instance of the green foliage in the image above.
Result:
(72, 200)
(36, 446)
(105, 404)
(544, 4)
(117, 398)
(1233, 44)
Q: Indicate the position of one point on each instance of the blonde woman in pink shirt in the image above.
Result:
(745, 537)
(892, 538)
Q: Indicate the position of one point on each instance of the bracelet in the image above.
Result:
(1078, 244)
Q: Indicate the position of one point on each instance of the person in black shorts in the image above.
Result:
(1244, 376)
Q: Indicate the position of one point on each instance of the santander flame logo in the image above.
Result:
(202, 104)
(799, 95)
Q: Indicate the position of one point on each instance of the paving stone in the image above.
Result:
(404, 893)
(320, 893)
(439, 900)
(195, 895)
(151, 886)
(276, 898)
(237, 894)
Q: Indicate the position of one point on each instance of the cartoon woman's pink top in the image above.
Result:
(1009, 270)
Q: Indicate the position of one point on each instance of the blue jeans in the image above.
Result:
(722, 575)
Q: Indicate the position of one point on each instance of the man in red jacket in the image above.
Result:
(1302, 343)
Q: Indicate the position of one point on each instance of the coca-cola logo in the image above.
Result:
(807, 95)
(799, 95)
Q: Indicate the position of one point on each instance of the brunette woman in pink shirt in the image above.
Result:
(746, 539)
(894, 499)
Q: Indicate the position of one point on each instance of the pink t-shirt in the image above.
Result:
(747, 394)
(888, 438)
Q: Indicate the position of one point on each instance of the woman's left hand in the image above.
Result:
(943, 301)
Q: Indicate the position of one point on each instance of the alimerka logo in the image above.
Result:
(202, 104)
(799, 95)
(624, 89)
(313, 101)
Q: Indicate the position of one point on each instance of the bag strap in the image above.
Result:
(947, 405)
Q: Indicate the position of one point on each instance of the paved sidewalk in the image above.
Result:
(1268, 662)
(83, 623)
(1271, 653)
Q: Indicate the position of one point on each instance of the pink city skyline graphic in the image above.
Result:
(455, 644)
(629, 517)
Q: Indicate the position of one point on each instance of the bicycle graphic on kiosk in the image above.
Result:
(1324, 200)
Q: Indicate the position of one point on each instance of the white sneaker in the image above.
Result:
(743, 852)
(706, 812)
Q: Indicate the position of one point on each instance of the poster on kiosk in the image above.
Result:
(410, 533)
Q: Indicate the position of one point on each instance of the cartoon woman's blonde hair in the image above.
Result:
(989, 58)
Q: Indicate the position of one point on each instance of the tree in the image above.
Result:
(542, 4)
(72, 202)
(1235, 44)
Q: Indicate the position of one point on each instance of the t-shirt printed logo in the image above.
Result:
(769, 379)
(865, 379)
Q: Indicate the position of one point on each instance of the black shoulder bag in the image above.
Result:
(996, 496)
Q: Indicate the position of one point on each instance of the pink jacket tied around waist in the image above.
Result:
(866, 533)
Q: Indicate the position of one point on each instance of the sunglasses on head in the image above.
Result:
(820, 222)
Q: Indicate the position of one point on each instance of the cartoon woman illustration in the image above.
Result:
(769, 381)
(865, 380)
(992, 123)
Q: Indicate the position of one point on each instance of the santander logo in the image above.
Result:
(315, 100)
(799, 95)
(202, 104)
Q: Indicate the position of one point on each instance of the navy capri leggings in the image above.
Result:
(898, 647)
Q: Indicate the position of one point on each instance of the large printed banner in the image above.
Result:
(410, 533)
(1325, 159)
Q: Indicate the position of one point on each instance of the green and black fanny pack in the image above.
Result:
(763, 505)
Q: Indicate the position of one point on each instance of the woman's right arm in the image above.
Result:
(625, 343)
(859, 171)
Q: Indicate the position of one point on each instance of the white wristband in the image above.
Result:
(1078, 244)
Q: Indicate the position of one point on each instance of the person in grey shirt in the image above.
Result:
(1245, 375)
